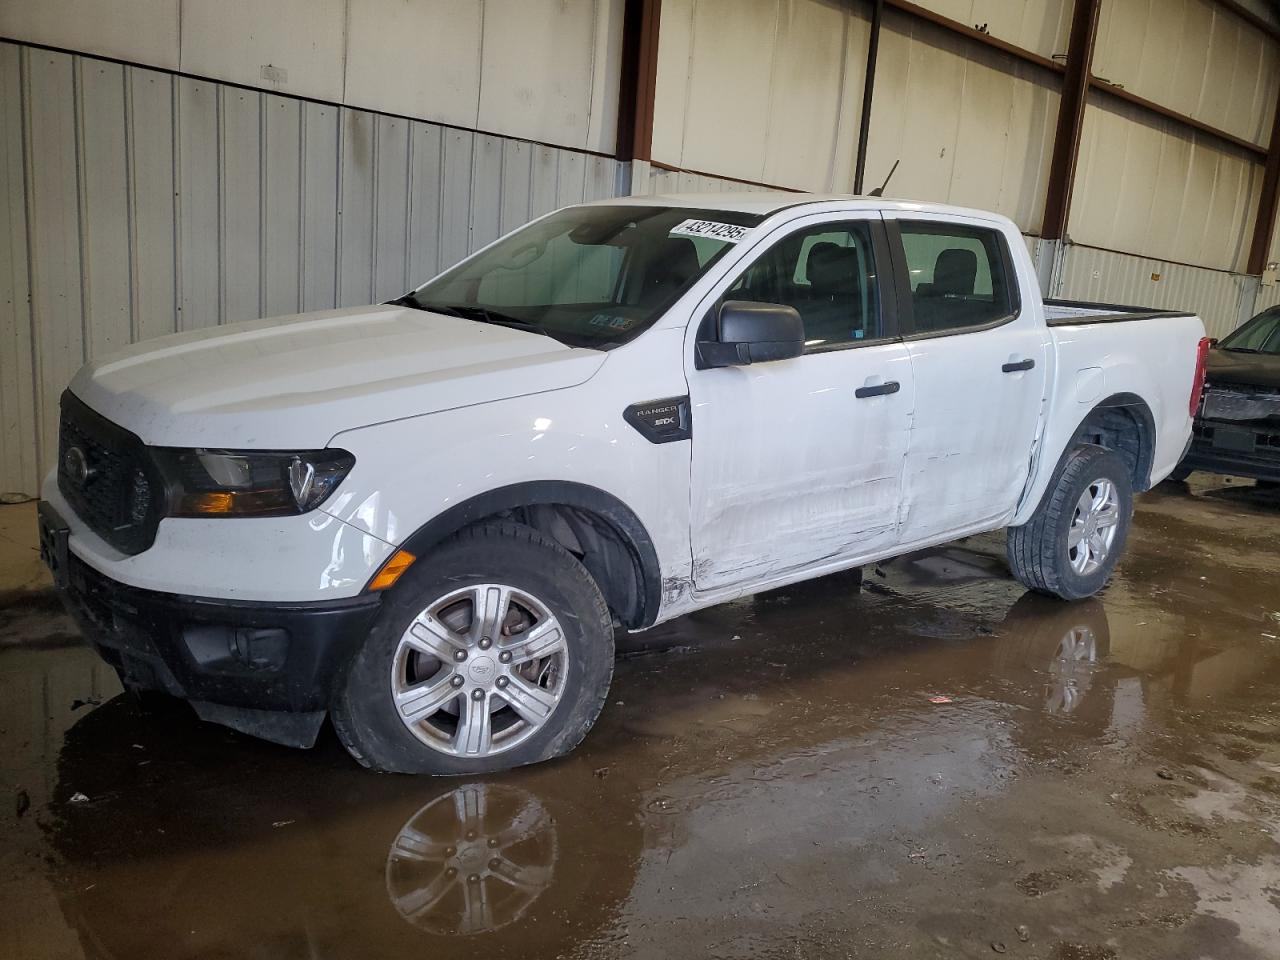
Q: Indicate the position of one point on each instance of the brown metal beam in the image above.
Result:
(639, 80)
(1120, 93)
(956, 27)
(1066, 141)
(868, 95)
(1026, 56)
(1264, 224)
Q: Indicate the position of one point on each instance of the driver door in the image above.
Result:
(797, 464)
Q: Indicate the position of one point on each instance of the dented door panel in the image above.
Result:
(791, 468)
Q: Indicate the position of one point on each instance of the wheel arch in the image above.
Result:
(1122, 422)
(598, 528)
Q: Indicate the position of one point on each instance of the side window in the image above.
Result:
(958, 276)
(828, 274)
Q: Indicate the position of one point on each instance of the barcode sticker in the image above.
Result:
(727, 232)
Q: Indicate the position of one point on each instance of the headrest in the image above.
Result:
(955, 272)
(832, 269)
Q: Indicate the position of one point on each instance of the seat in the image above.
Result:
(668, 273)
(943, 303)
(833, 309)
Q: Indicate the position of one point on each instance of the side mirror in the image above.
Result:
(752, 333)
(1213, 341)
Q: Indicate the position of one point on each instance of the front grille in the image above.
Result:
(108, 479)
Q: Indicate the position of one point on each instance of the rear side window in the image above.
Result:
(959, 277)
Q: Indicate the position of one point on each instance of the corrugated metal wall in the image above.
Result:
(545, 70)
(1151, 187)
(1194, 57)
(970, 126)
(1041, 26)
(1087, 273)
(1268, 296)
(646, 178)
(763, 90)
(138, 203)
(771, 91)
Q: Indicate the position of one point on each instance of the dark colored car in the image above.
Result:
(1237, 430)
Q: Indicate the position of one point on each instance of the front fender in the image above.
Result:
(410, 472)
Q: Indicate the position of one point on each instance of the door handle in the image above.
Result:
(1019, 366)
(879, 390)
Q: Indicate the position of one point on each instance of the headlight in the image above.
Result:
(249, 483)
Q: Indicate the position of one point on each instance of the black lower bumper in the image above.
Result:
(225, 656)
(1260, 464)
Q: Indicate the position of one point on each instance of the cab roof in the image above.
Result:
(767, 202)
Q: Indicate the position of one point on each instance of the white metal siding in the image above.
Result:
(1105, 277)
(161, 203)
(970, 125)
(1193, 56)
(646, 179)
(1040, 26)
(1268, 296)
(1148, 187)
(763, 90)
(546, 70)
(771, 91)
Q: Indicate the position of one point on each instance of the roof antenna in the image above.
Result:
(879, 191)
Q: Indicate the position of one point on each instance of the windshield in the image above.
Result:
(587, 276)
(1259, 335)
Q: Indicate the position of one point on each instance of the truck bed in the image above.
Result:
(1062, 313)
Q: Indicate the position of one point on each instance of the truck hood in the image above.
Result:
(1243, 369)
(294, 382)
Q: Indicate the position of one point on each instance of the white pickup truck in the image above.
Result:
(427, 518)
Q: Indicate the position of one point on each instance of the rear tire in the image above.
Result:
(495, 697)
(1071, 544)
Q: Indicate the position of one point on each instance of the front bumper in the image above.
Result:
(266, 668)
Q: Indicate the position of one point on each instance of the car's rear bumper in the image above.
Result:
(267, 668)
(1260, 464)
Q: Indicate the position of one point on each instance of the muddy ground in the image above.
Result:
(936, 764)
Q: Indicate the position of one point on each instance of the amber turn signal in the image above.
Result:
(400, 561)
(202, 503)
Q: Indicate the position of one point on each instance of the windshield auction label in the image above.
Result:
(727, 232)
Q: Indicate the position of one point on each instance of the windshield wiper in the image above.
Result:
(408, 300)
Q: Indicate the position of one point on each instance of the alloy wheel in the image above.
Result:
(480, 670)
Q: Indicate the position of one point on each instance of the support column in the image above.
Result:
(1066, 141)
(638, 85)
(868, 90)
(1264, 224)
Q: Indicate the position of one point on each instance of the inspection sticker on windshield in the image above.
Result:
(728, 232)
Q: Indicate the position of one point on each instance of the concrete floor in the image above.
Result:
(936, 765)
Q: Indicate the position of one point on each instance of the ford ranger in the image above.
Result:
(426, 519)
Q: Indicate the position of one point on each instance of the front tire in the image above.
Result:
(1070, 546)
(494, 651)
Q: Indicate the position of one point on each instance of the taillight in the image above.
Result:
(1197, 385)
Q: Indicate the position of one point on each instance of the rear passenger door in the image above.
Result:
(979, 361)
